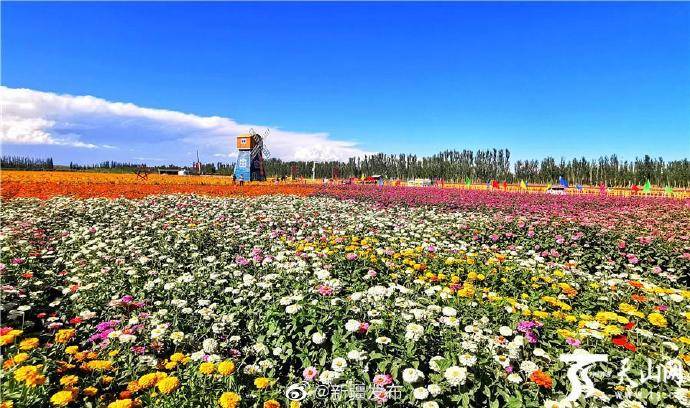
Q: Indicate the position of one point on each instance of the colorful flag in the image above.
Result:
(548, 186)
(647, 187)
(602, 189)
(668, 190)
(494, 184)
(468, 182)
(562, 181)
(523, 184)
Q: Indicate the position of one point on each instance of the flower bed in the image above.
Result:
(404, 297)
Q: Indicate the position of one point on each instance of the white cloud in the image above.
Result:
(43, 118)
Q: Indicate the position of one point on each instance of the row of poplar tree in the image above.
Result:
(494, 164)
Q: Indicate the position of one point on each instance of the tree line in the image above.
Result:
(451, 165)
(486, 165)
(26, 163)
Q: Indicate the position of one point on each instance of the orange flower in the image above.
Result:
(541, 379)
(638, 298)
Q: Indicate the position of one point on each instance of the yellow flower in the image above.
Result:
(657, 319)
(7, 404)
(170, 365)
(123, 403)
(168, 385)
(28, 344)
(25, 372)
(9, 337)
(16, 360)
(229, 400)
(207, 368)
(62, 398)
(99, 365)
(64, 335)
(271, 404)
(612, 330)
(71, 350)
(69, 380)
(34, 380)
(262, 382)
(227, 367)
(630, 310)
(90, 391)
(177, 357)
(151, 379)
(295, 404)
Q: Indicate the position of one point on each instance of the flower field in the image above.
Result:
(348, 296)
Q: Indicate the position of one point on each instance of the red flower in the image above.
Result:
(27, 275)
(75, 320)
(619, 340)
(629, 326)
(41, 315)
(622, 341)
(630, 347)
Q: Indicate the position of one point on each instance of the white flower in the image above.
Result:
(352, 326)
(430, 404)
(327, 376)
(413, 331)
(357, 355)
(467, 360)
(339, 364)
(433, 363)
(209, 346)
(505, 331)
(420, 393)
(682, 395)
(434, 389)
(292, 309)
(383, 340)
(514, 378)
(455, 375)
(157, 332)
(449, 311)
(127, 338)
(318, 338)
(197, 355)
(528, 367)
(412, 375)
(177, 337)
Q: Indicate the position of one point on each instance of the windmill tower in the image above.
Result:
(251, 155)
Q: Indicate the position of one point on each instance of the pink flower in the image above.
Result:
(381, 380)
(363, 327)
(573, 342)
(310, 373)
(325, 290)
(380, 395)
(351, 256)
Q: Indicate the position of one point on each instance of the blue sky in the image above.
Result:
(336, 79)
